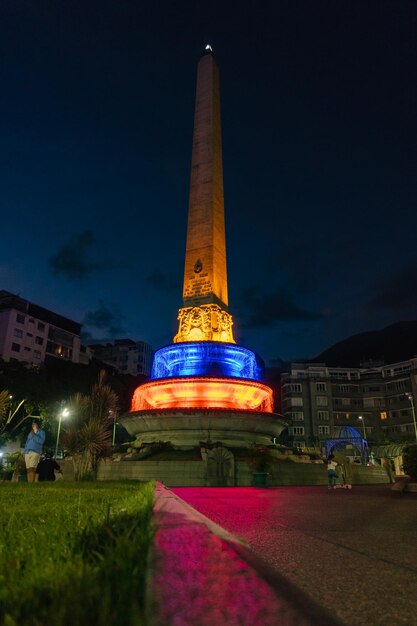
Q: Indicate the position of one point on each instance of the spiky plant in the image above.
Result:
(88, 437)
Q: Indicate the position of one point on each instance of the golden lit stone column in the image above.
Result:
(205, 316)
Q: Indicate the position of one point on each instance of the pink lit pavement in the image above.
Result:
(353, 552)
(201, 575)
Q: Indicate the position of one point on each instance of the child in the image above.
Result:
(332, 475)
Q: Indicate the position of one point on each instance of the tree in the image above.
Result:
(89, 435)
(10, 416)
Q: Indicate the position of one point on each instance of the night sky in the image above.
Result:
(319, 115)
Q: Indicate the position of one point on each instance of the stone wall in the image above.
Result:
(290, 473)
(194, 473)
(373, 475)
(171, 473)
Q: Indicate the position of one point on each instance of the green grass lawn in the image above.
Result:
(74, 553)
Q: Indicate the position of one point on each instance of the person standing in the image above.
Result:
(347, 472)
(344, 462)
(332, 475)
(33, 450)
(385, 462)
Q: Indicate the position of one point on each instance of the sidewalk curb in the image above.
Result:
(199, 574)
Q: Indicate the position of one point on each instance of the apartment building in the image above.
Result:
(126, 355)
(30, 333)
(377, 400)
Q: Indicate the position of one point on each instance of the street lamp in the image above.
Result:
(411, 398)
(364, 443)
(63, 413)
(114, 413)
(363, 424)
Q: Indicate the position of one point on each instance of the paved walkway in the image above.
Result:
(354, 552)
(201, 575)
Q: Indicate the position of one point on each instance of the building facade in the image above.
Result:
(125, 355)
(377, 400)
(30, 333)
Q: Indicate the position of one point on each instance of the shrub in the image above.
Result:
(259, 459)
(410, 461)
(88, 437)
(10, 464)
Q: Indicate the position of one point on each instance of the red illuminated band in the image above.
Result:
(203, 393)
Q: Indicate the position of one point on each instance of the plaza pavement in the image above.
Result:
(201, 575)
(352, 552)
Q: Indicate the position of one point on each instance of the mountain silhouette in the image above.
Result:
(397, 342)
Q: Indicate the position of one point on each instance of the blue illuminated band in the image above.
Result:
(206, 358)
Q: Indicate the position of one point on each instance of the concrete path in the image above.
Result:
(353, 552)
(201, 575)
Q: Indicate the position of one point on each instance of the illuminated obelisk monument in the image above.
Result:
(205, 274)
(204, 388)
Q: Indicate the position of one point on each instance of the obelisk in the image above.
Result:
(204, 387)
(204, 316)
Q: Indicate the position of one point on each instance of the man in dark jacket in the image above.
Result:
(46, 468)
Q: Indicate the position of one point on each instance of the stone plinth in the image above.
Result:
(189, 427)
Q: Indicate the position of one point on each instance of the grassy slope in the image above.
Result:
(74, 553)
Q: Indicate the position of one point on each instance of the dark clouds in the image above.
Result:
(319, 136)
(162, 281)
(397, 293)
(72, 260)
(264, 310)
(106, 318)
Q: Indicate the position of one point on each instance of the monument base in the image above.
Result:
(187, 428)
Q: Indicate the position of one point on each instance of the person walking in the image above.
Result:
(33, 450)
